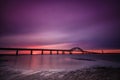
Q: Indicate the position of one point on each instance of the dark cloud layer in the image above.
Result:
(87, 23)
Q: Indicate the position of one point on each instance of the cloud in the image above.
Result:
(88, 23)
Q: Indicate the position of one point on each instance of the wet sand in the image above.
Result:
(94, 73)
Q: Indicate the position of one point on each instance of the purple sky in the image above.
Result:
(89, 24)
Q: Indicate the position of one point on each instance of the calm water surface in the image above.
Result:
(60, 62)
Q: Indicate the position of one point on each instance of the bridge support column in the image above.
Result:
(50, 52)
(42, 52)
(63, 52)
(70, 52)
(16, 52)
(57, 52)
(31, 52)
(83, 52)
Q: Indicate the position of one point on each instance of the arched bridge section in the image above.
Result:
(77, 49)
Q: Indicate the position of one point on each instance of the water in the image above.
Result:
(60, 62)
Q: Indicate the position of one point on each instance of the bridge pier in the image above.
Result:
(31, 52)
(83, 52)
(50, 52)
(63, 52)
(16, 52)
(70, 52)
(57, 52)
(42, 52)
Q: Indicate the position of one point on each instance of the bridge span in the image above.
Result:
(42, 50)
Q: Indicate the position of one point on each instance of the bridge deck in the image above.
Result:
(33, 49)
(42, 50)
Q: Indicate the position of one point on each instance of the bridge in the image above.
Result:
(77, 49)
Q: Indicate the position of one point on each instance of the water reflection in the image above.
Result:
(56, 62)
(43, 62)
